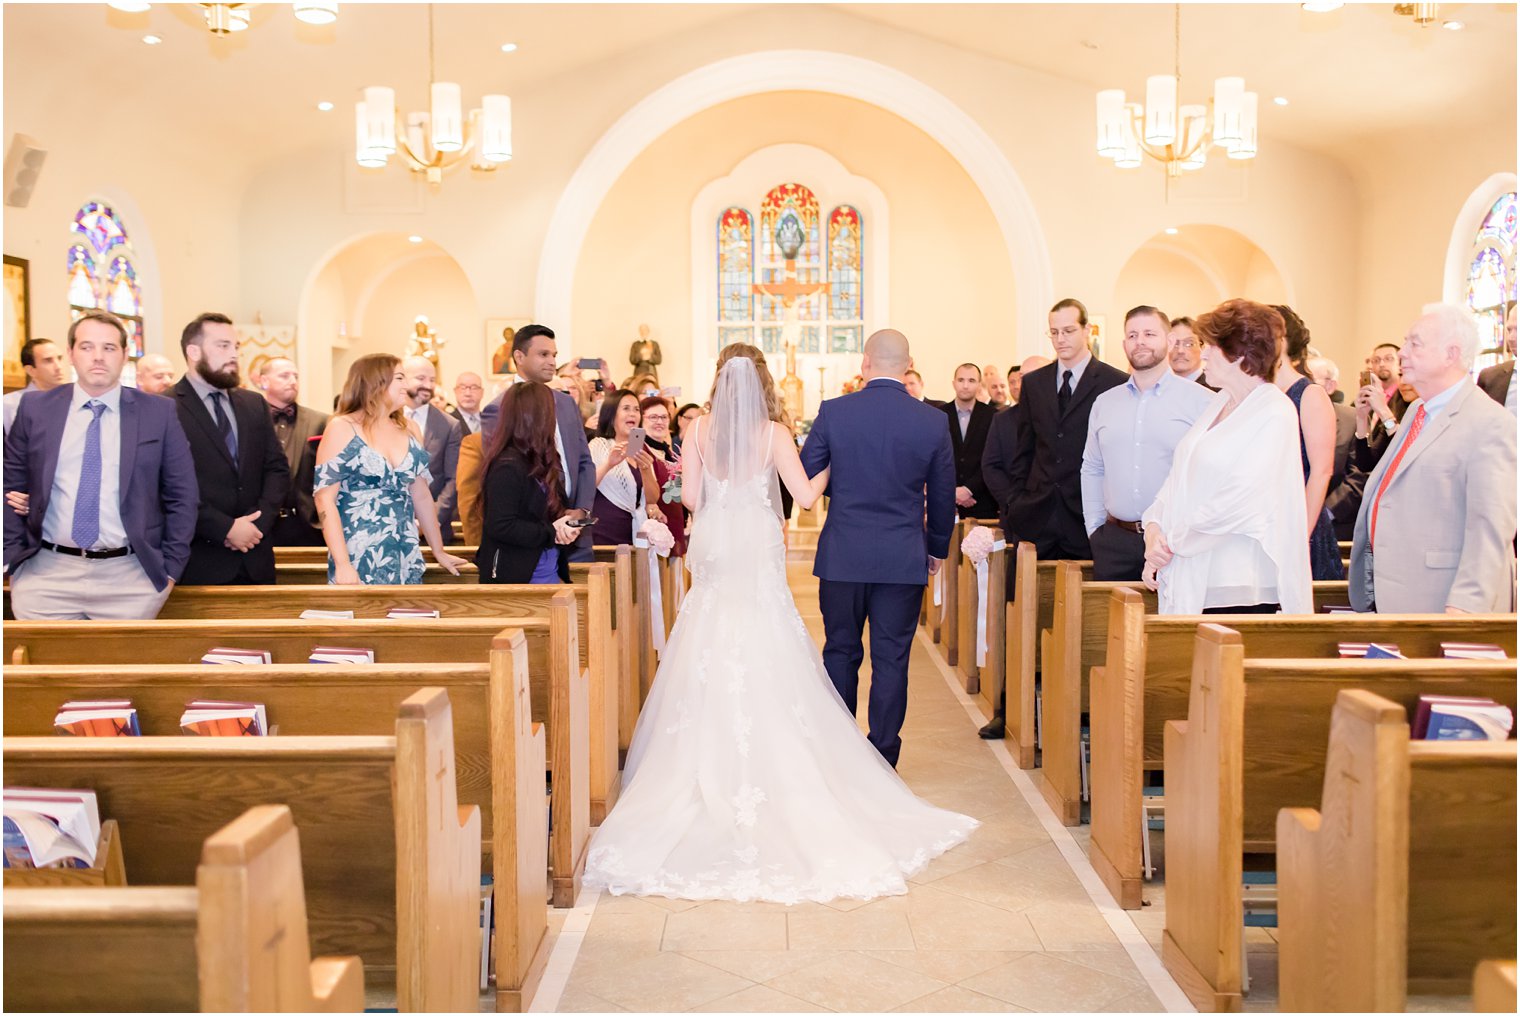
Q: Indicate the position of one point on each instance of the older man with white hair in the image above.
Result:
(1437, 524)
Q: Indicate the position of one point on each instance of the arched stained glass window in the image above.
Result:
(1491, 278)
(751, 253)
(99, 239)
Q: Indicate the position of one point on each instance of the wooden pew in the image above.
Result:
(315, 574)
(1494, 986)
(1404, 879)
(318, 555)
(1078, 641)
(1146, 679)
(595, 613)
(559, 689)
(230, 944)
(391, 863)
(964, 592)
(499, 751)
(949, 630)
(1253, 743)
(641, 650)
(625, 616)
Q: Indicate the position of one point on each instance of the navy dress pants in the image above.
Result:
(892, 609)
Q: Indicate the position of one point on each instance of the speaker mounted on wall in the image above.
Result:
(23, 164)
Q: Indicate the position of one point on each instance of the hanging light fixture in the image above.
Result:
(224, 19)
(439, 139)
(1179, 137)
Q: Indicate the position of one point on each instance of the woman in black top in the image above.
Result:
(524, 518)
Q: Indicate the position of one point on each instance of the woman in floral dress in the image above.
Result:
(372, 483)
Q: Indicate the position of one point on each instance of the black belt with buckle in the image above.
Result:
(1134, 527)
(88, 555)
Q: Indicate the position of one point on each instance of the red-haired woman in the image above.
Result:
(525, 521)
(1228, 531)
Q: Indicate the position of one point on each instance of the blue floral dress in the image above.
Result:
(375, 506)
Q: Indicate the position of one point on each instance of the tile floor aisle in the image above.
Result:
(1001, 923)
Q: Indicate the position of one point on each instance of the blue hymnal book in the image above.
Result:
(17, 853)
(1383, 652)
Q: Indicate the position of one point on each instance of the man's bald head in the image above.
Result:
(1034, 363)
(280, 382)
(421, 380)
(886, 355)
(154, 374)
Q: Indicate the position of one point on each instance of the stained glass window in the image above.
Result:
(100, 239)
(1491, 278)
(790, 220)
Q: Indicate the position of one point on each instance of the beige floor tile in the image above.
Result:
(942, 920)
(576, 999)
(662, 982)
(869, 927)
(1069, 926)
(1045, 983)
(851, 982)
(1136, 1001)
(945, 965)
(632, 931)
(958, 999)
(1012, 888)
(763, 965)
(1113, 960)
(759, 998)
(723, 927)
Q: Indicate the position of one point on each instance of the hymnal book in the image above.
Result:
(326, 615)
(1453, 718)
(405, 613)
(1339, 608)
(50, 828)
(221, 654)
(487, 894)
(339, 654)
(212, 718)
(97, 718)
(1365, 650)
(1472, 651)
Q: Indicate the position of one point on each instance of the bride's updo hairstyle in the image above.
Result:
(767, 383)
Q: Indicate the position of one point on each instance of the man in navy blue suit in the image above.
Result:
(889, 452)
(113, 493)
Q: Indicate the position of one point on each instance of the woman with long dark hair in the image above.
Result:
(525, 521)
(1316, 443)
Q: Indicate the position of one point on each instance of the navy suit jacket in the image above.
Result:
(888, 452)
(159, 493)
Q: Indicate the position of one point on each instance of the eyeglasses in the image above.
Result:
(1184, 343)
(469, 388)
(1069, 332)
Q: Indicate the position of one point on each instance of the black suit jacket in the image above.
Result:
(968, 457)
(1495, 380)
(258, 481)
(516, 528)
(298, 525)
(1046, 472)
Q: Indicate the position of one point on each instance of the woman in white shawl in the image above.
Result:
(1226, 534)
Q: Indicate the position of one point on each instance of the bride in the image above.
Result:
(747, 779)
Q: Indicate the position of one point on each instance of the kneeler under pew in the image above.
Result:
(391, 863)
(235, 942)
(1254, 742)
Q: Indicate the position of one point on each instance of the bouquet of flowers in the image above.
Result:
(977, 544)
(659, 536)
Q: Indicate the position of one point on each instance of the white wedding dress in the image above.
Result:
(747, 779)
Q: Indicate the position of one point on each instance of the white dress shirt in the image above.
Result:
(419, 416)
(58, 523)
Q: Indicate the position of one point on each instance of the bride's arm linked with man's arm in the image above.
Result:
(789, 467)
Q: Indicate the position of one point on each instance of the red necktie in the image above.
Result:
(1393, 467)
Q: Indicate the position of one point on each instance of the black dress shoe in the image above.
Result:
(993, 731)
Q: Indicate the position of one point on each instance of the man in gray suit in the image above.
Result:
(441, 435)
(1439, 509)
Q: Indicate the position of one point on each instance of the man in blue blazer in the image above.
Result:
(113, 494)
(888, 452)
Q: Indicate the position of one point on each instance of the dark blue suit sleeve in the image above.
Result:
(180, 495)
(940, 494)
(17, 442)
(815, 450)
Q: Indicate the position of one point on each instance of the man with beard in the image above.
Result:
(239, 464)
(1131, 435)
(299, 429)
(440, 432)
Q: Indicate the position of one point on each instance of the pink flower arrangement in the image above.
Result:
(659, 536)
(977, 544)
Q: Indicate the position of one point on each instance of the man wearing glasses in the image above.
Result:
(469, 392)
(1185, 352)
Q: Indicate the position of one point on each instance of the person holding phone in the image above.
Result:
(526, 515)
(625, 477)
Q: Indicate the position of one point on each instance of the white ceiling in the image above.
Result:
(1354, 73)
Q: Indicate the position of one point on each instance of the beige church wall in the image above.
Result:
(1175, 283)
(1411, 195)
(951, 288)
(433, 285)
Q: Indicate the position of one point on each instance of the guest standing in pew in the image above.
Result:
(115, 491)
(1316, 444)
(625, 482)
(469, 392)
(155, 374)
(1437, 526)
(467, 482)
(1499, 380)
(667, 464)
(969, 422)
(1185, 352)
(440, 434)
(299, 429)
(524, 521)
(682, 424)
(43, 364)
(1380, 406)
(1132, 435)
(372, 485)
(239, 464)
(1227, 532)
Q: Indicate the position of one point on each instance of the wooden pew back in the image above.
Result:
(237, 942)
(366, 859)
(1405, 878)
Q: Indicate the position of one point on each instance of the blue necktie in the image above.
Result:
(224, 425)
(86, 529)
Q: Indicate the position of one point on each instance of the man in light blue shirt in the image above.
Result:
(1131, 435)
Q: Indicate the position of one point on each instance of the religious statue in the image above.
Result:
(425, 341)
(645, 355)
